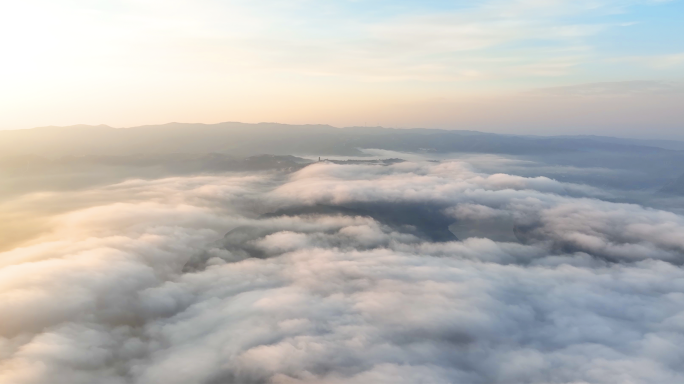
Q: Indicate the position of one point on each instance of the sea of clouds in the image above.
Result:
(136, 282)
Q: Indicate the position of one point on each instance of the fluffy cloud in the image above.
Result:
(260, 279)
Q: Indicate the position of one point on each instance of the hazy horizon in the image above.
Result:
(570, 133)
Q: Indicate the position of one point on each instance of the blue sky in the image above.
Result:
(342, 62)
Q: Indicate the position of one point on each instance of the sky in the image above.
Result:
(613, 67)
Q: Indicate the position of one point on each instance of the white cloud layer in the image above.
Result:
(138, 284)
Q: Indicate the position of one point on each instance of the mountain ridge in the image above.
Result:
(244, 139)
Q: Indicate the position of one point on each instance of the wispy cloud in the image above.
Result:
(655, 61)
(611, 89)
(488, 39)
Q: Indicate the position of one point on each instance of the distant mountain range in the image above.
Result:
(156, 150)
(241, 139)
(675, 187)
